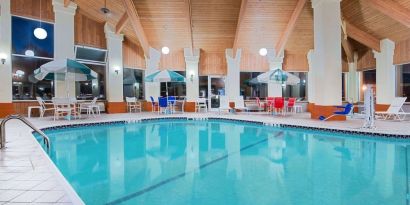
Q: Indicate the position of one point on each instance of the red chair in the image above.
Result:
(279, 105)
(291, 105)
(270, 103)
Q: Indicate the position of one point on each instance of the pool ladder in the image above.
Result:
(46, 140)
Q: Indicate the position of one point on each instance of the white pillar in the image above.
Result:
(232, 81)
(327, 44)
(311, 76)
(64, 43)
(385, 72)
(192, 73)
(114, 68)
(5, 52)
(152, 65)
(275, 62)
(353, 81)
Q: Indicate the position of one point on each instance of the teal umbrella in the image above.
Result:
(165, 76)
(276, 76)
(78, 71)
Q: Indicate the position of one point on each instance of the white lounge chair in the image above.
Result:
(90, 107)
(240, 104)
(395, 110)
(224, 104)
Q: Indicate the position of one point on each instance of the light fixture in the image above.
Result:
(304, 81)
(364, 87)
(3, 58)
(263, 51)
(165, 50)
(19, 73)
(29, 52)
(40, 32)
(192, 76)
(283, 84)
(104, 9)
(116, 69)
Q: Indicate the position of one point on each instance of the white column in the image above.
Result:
(152, 65)
(64, 43)
(114, 69)
(192, 73)
(5, 52)
(311, 76)
(353, 81)
(327, 44)
(232, 82)
(275, 62)
(385, 72)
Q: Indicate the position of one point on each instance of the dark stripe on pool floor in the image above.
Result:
(166, 181)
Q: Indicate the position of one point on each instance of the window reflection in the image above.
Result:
(133, 83)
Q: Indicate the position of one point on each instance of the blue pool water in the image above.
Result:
(219, 162)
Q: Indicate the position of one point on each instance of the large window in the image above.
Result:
(133, 83)
(87, 90)
(28, 54)
(296, 91)
(252, 90)
(369, 81)
(177, 89)
(95, 59)
(203, 86)
(403, 81)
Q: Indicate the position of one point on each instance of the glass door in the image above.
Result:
(216, 88)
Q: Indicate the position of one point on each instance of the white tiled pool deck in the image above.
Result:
(27, 176)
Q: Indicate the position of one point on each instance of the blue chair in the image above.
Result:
(154, 105)
(346, 111)
(163, 105)
(171, 102)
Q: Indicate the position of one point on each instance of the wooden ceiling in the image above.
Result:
(214, 23)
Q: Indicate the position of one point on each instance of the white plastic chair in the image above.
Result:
(224, 104)
(240, 104)
(395, 110)
(200, 104)
(43, 108)
(132, 104)
(90, 107)
(62, 106)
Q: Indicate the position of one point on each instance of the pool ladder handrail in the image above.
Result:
(46, 140)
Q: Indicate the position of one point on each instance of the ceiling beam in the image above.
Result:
(67, 2)
(347, 47)
(238, 26)
(280, 45)
(136, 25)
(392, 9)
(188, 14)
(121, 23)
(362, 37)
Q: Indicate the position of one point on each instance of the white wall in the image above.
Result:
(5, 49)
(152, 63)
(192, 68)
(232, 82)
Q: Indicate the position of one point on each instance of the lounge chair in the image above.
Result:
(346, 111)
(395, 110)
(240, 104)
(223, 104)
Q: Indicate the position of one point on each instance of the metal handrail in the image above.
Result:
(46, 140)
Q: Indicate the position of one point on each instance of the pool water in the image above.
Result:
(224, 162)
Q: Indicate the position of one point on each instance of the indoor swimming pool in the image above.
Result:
(207, 162)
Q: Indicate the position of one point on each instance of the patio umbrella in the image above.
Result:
(276, 76)
(79, 71)
(165, 76)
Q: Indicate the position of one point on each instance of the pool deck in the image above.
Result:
(28, 176)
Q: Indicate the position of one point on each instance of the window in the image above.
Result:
(203, 86)
(403, 81)
(251, 90)
(174, 88)
(95, 59)
(28, 54)
(25, 86)
(133, 83)
(296, 91)
(369, 81)
(87, 90)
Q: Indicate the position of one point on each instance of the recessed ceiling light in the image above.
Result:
(165, 50)
(263, 51)
(29, 53)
